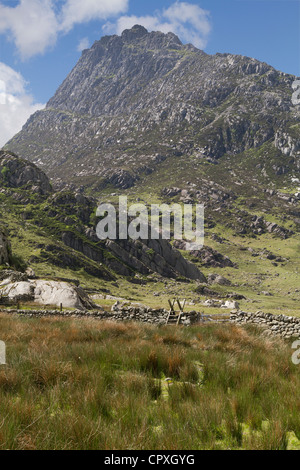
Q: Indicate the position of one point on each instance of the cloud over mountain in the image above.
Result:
(16, 104)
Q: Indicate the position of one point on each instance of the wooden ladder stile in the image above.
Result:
(172, 313)
(172, 304)
(171, 310)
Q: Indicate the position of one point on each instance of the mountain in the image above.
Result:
(136, 101)
(145, 116)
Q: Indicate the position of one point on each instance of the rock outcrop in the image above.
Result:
(18, 173)
(158, 256)
(44, 292)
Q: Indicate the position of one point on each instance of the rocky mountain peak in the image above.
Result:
(134, 33)
(141, 37)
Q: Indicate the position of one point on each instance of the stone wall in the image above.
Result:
(134, 314)
(279, 325)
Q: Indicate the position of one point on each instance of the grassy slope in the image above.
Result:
(254, 274)
(67, 385)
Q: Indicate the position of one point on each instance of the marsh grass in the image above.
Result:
(86, 384)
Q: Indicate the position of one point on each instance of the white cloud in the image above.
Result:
(16, 105)
(81, 11)
(84, 43)
(31, 25)
(34, 25)
(190, 22)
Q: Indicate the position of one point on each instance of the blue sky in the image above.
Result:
(40, 40)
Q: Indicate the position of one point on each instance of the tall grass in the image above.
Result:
(87, 384)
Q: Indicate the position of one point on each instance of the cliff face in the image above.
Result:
(135, 101)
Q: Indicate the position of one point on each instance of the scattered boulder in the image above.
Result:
(30, 273)
(212, 258)
(235, 296)
(232, 305)
(267, 294)
(282, 232)
(217, 238)
(218, 279)
(207, 256)
(171, 192)
(204, 290)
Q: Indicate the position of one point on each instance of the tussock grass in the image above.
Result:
(86, 384)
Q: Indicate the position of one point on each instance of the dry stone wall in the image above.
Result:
(279, 325)
(134, 314)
